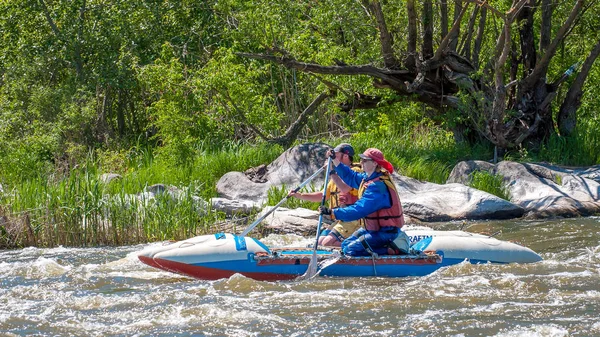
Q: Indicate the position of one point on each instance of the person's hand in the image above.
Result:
(330, 154)
(324, 210)
(293, 193)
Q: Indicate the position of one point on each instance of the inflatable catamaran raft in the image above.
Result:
(211, 257)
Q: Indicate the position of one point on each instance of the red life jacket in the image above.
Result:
(385, 217)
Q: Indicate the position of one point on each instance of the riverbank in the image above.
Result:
(152, 199)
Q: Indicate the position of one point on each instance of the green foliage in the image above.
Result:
(81, 210)
(491, 183)
(275, 195)
(416, 147)
(156, 92)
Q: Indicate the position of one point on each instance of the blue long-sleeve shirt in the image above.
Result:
(375, 197)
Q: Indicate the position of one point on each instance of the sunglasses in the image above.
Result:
(364, 160)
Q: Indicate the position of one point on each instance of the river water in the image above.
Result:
(108, 292)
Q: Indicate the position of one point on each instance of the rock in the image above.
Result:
(108, 177)
(543, 190)
(422, 201)
(299, 221)
(293, 167)
(461, 173)
(429, 202)
(234, 207)
(536, 190)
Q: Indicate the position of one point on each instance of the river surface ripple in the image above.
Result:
(108, 292)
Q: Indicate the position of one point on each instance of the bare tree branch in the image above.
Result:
(290, 135)
(392, 77)
(53, 26)
(541, 68)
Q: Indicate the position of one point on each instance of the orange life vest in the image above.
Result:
(385, 217)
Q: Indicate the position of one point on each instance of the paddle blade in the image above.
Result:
(311, 271)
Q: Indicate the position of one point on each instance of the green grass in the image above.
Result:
(491, 183)
(81, 210)
(276, 194)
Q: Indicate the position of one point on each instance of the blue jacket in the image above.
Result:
(375, 197)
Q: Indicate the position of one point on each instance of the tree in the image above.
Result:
(489, 67)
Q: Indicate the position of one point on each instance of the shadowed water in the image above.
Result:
(108, 292)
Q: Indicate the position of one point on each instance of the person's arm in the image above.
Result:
(376, 197)
(341, 185)
(349, 176)
(312, 196)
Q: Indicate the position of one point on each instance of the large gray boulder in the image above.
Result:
(290, 169)
(429, 202)
(542, 190)
(300, 221)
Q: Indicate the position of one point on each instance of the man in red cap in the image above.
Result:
(339, 194)
(378, 208)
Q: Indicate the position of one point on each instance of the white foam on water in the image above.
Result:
(286, 240)
(38, 268)
(545, 330)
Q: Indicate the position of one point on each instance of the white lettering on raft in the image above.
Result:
(417, 238)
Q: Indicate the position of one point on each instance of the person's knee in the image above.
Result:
(330, 241)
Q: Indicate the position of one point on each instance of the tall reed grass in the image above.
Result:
(82, 210)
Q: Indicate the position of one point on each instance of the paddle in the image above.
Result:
(257, 221)
(312, 266)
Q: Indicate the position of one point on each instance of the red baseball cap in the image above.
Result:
(377, 156)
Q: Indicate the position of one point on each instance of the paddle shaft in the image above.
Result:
(323, 202)
(257, 221)
(312, 267)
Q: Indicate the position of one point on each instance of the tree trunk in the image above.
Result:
(410, 61)
(427, 18)
(443, 19)
(546, 25)
(454, 38)
(528, 51)
(567, 117)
